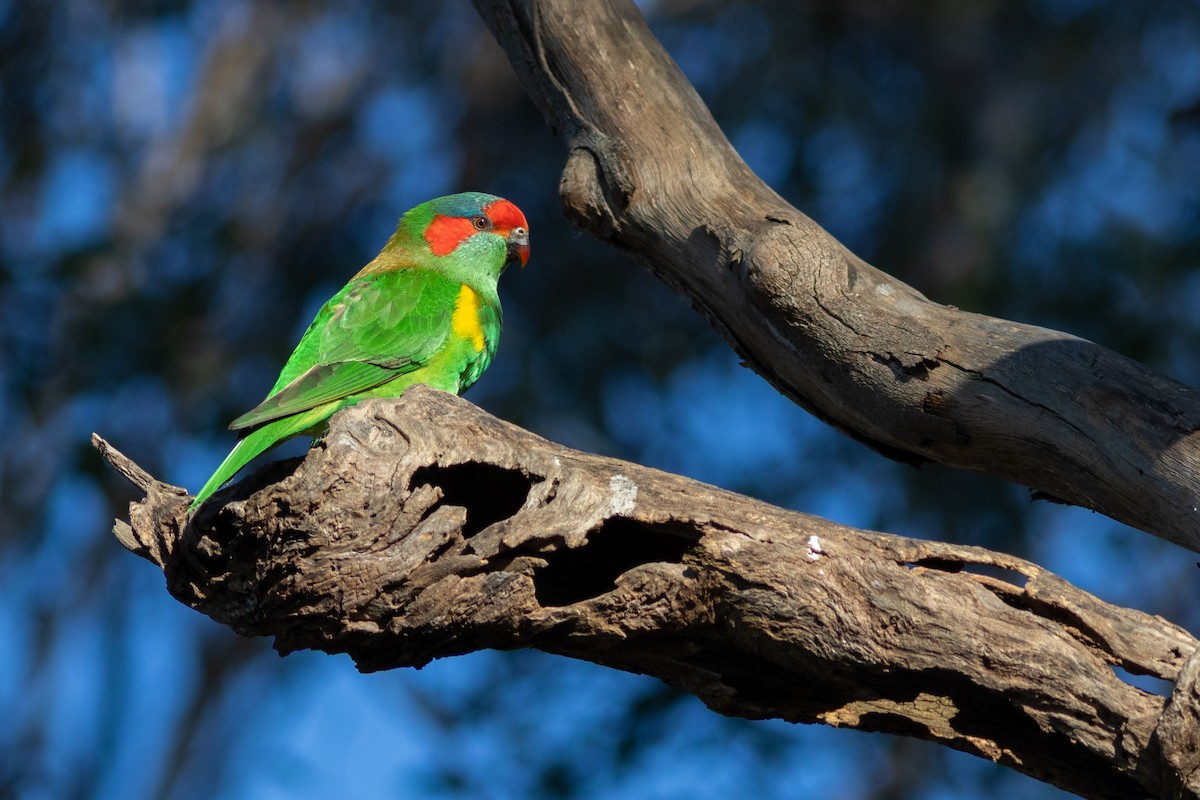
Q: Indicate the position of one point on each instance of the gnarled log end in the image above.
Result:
(156, 520)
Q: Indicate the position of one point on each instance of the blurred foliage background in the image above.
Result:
(182, 183)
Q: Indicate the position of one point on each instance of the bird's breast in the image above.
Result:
(465, 320)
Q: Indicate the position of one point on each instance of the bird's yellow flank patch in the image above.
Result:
(465, 320)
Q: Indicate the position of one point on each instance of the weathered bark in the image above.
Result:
(650, 172)
(424, 527)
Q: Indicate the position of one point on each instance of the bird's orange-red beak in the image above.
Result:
(518, 245)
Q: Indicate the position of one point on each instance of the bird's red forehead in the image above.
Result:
(504, 215)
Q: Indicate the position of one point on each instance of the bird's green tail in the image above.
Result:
(258, 441)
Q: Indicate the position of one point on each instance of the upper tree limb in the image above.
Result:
(650, 172)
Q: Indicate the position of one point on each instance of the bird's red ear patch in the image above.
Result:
(446, 233)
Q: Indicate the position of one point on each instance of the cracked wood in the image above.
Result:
(424, 528)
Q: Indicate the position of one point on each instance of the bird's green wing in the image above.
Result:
(375, 329)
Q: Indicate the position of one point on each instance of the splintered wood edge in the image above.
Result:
(129, 468)
(158, 496)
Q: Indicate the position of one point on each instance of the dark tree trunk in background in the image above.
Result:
(423, 527)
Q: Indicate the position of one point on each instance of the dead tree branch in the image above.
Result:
(424, 528)
(650, 172)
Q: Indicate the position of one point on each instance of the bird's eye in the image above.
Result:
(481, 223)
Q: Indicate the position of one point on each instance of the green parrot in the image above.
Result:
(425, 310)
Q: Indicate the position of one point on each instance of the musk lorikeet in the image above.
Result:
(425, 310)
